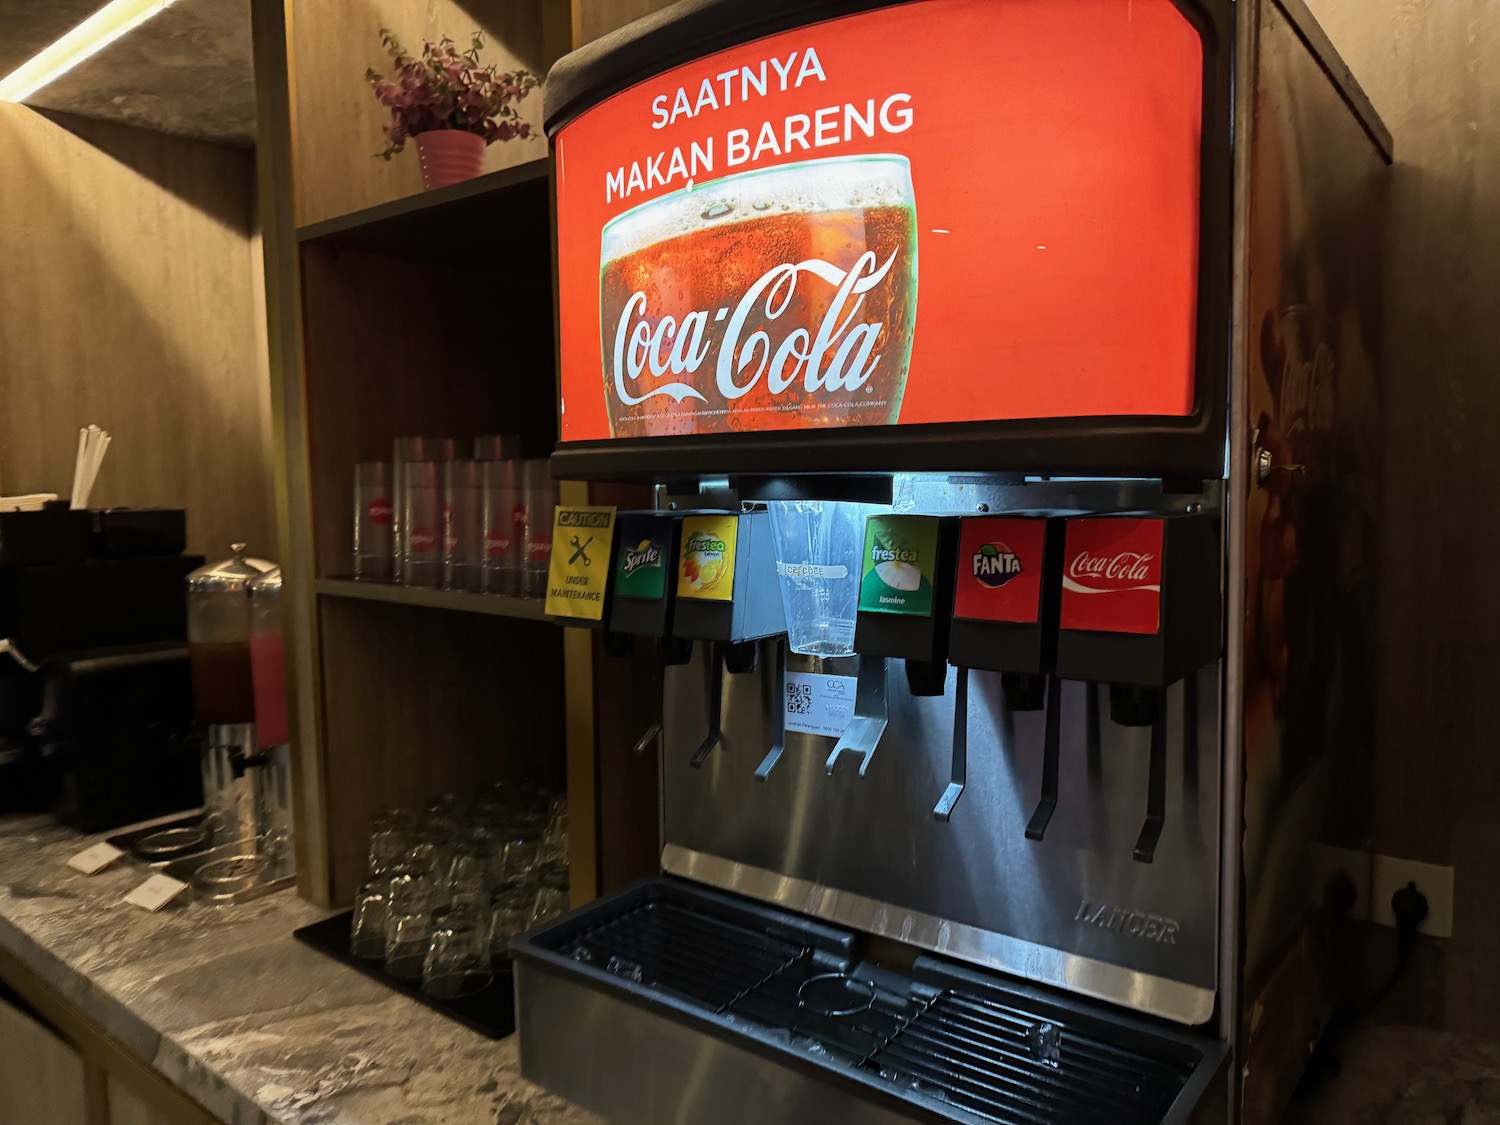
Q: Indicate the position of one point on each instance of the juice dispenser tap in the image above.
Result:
(905, 608)
(1140, 610)
(1005, 620)
(724, 595)
(219, 629)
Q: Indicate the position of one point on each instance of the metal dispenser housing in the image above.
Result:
(1074, 856)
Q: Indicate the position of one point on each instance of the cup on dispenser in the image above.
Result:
(374, 522)
(539, 494)
(503, 516)
(818, 545)
(421, 524)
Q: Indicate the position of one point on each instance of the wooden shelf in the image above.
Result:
(500, 216)
(496, 605)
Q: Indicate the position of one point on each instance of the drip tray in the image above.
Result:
(702, 1005)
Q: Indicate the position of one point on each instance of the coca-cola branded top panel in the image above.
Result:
(1000, 562)
(939, 212)
(1112, 575)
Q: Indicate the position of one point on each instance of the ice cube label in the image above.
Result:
(897, 570)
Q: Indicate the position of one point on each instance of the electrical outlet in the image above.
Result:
(1376, 878)
(1435, 883)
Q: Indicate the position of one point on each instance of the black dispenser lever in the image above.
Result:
(778, 716)
(960, 767)
(715, 707)
(1036, 828)
(1156, 786)
(871, 715)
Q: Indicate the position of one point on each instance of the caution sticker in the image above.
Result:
(579, 574)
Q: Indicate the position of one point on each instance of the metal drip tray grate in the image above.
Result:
(695, 955)
(950, 1043)
(1009, 1065)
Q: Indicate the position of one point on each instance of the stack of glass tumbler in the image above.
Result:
(430, 518)
(450, 885)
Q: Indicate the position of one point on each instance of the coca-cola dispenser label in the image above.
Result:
(1000, 562)
(1111, 580)
(843, 223)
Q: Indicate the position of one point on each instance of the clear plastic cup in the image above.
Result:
(818, 545)
(374, 522)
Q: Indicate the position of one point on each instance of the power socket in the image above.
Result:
(1435, 883)
(1376, 878)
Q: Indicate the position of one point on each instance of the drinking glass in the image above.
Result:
(503, 516)
(540, 498)
(462, 532)
(421, 560)
(390, 845)
(497, 447)
(374, 515)
(457, 960)
(408, 927)
(550, 902)
(520, 858)
(818, 548)
(367, 931)
(555, 839)
(510, 910)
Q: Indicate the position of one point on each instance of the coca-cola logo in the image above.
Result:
(421, 540)
(497, 546)
(1111, 574)
(839, 356)
(379, 510)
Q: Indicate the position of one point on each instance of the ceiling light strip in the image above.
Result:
(89, 38)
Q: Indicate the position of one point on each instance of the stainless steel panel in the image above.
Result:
(1074, 910)
(635, 1066)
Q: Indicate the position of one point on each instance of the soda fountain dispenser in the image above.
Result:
(1016, 425)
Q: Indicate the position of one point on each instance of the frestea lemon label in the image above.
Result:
(705, 566)
(900, 552)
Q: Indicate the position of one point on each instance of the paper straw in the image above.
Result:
(83, 436)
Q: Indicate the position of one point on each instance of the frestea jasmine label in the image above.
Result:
(897, 570)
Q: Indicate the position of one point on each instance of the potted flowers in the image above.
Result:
(452, 106)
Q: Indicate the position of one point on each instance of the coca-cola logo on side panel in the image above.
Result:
(1112, 575)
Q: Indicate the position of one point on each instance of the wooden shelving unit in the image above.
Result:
(427, 313)
(497, 605)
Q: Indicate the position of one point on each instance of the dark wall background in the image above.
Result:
(1432, 69)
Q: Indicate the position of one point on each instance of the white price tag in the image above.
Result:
(818, 704)
(93, 860)
(156, 892)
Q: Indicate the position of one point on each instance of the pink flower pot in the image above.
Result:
(449, 155)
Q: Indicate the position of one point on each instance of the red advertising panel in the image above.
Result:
(1000, 560)
(942, 211)
(1112, 575)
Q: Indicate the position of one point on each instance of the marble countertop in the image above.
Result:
(250, 1023)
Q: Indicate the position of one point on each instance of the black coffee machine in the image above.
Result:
(96, 704)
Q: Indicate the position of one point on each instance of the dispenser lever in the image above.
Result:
(653, 732)
(960, 766)
(715, 708)
(778, 715)
(1156, 786)
(871, 714)
(1036, 828)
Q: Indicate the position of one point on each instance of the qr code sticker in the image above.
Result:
(799, 699)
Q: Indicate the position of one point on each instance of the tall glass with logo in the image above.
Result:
(539, 493)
